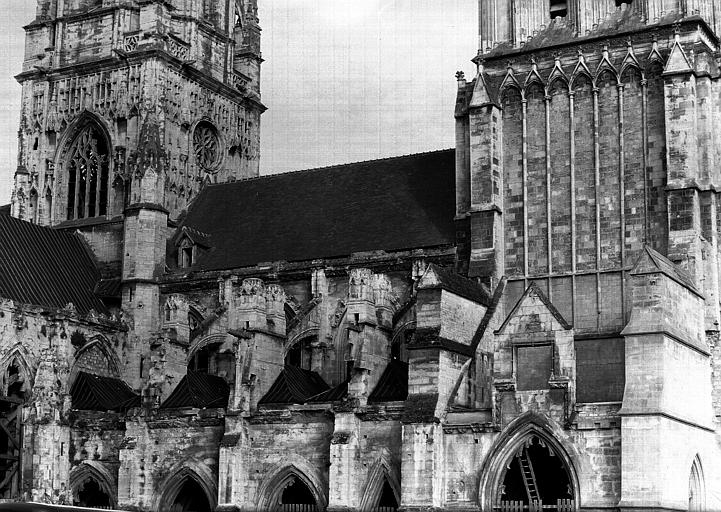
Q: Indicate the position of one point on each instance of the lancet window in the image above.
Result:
(88, 168)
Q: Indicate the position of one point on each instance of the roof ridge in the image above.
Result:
(328, 167)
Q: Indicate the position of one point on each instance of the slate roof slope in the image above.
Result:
(96, 393)
(199, 390)
(447, 279)
(393, 384)
(390, 204)
(294, 386)
(46, 267)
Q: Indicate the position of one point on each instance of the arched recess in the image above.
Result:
(100, 345)
(381, 477)
(93, 485)
(210, 355)
(528, 436)
(83, 165)
(187, 484)
(20, 362)
(696, 487)
(17, 383)
(291, 473)
(298, 352)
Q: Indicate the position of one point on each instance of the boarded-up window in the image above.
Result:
(600, 370)
(534, 365)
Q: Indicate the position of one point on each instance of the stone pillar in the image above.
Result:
(486, 146)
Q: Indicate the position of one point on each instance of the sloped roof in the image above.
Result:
(46, 267)
(393, 384)
(294, 386)
(651, 261)
(446, 279)
(95, 393)
(390, 204)
(332, 395)
(199, 390)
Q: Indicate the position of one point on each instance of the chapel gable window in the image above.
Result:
(87, 171)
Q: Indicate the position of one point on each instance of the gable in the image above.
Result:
(533, 315)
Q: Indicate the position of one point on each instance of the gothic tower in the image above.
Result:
(586, 158)
(128, 110)
(100, 74)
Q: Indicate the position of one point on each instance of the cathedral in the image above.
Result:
(527, 322)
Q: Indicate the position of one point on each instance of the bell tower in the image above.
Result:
(95, 70)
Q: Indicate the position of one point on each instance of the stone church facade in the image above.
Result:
(527, 322)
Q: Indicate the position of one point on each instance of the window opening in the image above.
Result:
(300, 355)
(559, 8)
(186, 257)
(88, 164)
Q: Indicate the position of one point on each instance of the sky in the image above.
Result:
(343, 80)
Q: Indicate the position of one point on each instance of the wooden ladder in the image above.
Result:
(529, 477)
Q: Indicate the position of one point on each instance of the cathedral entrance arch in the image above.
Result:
(93, 485)
(187, 490)
(382, 490)
(289, 489)
(529, 470)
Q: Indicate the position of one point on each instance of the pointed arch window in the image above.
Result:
(88, 168)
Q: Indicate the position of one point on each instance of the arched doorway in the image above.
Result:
(387, 501)
(190, 498)
(696, 491)
(296, 497)
(91, 494)
(535, 479)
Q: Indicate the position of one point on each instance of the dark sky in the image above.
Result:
(344, 80)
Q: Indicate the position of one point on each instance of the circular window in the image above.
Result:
(206, 145)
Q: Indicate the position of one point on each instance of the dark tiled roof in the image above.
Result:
(335, 394)
(46, 267)
(459, 285)
(392, 204)
(199, 390)
(96, 393)
(5, 209)
(294, 386)
(393, 384)
(108, 288)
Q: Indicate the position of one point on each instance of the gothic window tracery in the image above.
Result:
(206, 146)
(87, 164)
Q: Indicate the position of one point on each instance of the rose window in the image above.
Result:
(206, 145)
